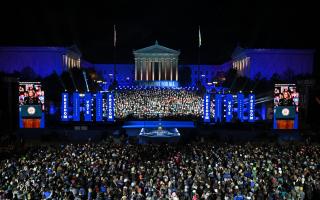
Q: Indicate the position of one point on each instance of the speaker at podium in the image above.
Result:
(31, 116)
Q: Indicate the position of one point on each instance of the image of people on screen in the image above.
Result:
(286, 96)
(32, 98)
(286, 99)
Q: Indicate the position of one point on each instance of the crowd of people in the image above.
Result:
(154, 102)
(107, 170)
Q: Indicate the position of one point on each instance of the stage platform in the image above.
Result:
(158, 135)
(287, 135)
(154, 124)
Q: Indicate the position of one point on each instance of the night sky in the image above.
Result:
(252, 24)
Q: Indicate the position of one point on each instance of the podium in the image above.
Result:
(285, 116)
(31, 116)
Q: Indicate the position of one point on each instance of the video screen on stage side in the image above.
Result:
(31, 104)
(155, 103)
(286, 105)
(286, 95)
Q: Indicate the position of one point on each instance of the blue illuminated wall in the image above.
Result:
(250, 62)
(207, 72)
(125, 73)
(43, 60)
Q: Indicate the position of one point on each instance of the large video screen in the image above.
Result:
(31, 105)
(286, 105)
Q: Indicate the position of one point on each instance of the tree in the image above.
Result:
(231, 77)
(257, 77)
(53, 87)
(288, 75)
(275, 78)
(28, 74)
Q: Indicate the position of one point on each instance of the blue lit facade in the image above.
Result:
(207, 73)
(249, 62)
(125, 73)
(43, 60)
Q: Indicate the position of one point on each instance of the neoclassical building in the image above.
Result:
(43, 60)
(156, 63)
(266, 62)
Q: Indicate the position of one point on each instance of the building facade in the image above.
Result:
(43, 60)
(266, 62)
(125, 73)
(159, 64)
(156, 63)
(208, 74)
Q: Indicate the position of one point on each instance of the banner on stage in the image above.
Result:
(87, 107)
(110, 103)
(251, 109)
(76, 106)
(240, 99)
(218, 107)
(99, 103)
(229, 107)
(206, 108)
(65, 107)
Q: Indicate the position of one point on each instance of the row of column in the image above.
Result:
(70, 62)
(156, 69)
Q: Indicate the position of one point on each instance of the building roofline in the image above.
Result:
(244, 51)
(156, 45)
(33, 48)
(281, 50)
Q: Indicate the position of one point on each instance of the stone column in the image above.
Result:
(159, 66)
(140, 66)
(152, 66)
(171, 72)
(135, 69)
(147, 68)
(177, 68)
(165, 69)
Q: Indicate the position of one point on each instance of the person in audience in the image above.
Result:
(107, 170)
(152, 102)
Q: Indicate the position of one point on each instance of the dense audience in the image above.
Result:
(154, 102)
(193, 171)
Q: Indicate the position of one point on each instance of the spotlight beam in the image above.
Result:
(85, 79)
(74, 83)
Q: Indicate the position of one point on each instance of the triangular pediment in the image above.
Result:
(156, 49)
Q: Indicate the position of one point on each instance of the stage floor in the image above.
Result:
(158, 135)
(154, 124)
